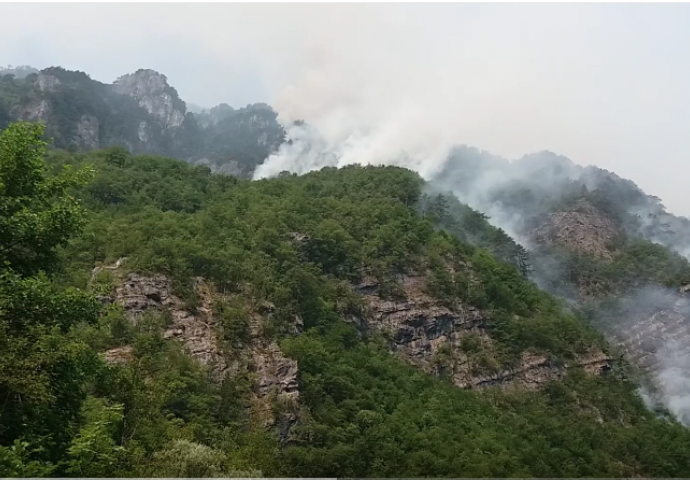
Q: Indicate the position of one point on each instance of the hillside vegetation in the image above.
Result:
(300, 244)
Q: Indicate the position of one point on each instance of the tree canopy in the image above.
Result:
(300, 243)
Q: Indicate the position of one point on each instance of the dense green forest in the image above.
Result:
(64, 411)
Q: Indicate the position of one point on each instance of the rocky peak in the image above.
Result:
(154, 94)
(142, 83)
(47, 82)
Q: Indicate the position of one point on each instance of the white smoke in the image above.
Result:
(674, 380)
(655, 321)
(402, 98)
(365, 119)
(307, 150)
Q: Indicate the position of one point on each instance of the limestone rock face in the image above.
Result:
(138, 294)
(143, 132)
(47, 82)
(154, 94)
(582, 228)
(87, 132)
(453, 342)
(275, 375)
(38, 110)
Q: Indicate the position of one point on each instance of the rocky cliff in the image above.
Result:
(454, 343)
(155, 95)
(200, 333)
(655, 334)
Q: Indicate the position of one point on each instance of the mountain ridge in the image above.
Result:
(142, 112)
(543, 200)
(357, 321)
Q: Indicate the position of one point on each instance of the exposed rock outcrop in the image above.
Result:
(275, 375)
(143, 132)
(139, 294)
(657, 339)
(535, 370)
(144, 113)
(119, 354)
(47, 82)
(658, 318)
(154, 94)
(582, 228)
(87, 132)
(453, 342)
(35, 111)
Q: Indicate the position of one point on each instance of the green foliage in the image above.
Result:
(289, 248)
(234, 322)
(36, 212)
(637, 263)
(372, 416)
(43, 372)
(471, 226)
(93, 451)
(189, 460)
(15, 461)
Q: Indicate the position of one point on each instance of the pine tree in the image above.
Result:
(522, 257)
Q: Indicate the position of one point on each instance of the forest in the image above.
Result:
(67, 412)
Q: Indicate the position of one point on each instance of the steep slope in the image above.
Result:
(572, 219)
(399, 331)
(519, 195)
(81, 113)
(341, 323)
(596, 239)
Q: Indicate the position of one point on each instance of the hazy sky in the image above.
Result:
(604, 84)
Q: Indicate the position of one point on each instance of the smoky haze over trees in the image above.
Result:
(578, 232)
(342, 281)
(510, 79)
(244, 328)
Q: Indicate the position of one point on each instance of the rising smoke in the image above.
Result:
(361, 102)
(656, 322)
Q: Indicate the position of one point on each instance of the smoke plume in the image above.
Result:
(359, 99)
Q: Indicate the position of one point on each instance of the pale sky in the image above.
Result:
(603, 84)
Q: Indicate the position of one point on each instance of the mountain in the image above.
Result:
(601, 242)
(160, 320)
(142, 112)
